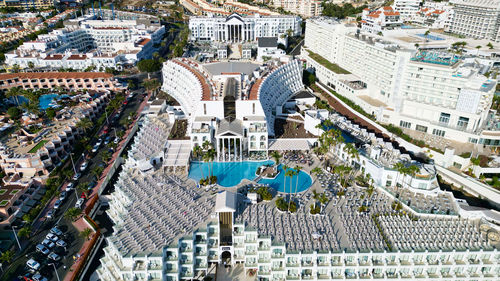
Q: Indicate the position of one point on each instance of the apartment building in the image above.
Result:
(384, 18)
(430, 91)
(73, 81)
(407, 8)
(27, 5)
(304, 8)
(476, 19)
(25, 155)
(224, 8)
(87, 42)
(434, 18)
(236, 28)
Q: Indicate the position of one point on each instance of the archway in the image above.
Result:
(226, 258)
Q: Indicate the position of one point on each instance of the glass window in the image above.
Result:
(444, 118)
(437, 132)
(421, 128)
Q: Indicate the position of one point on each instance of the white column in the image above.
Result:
(218, 149)
(241, 149)
(223, 152)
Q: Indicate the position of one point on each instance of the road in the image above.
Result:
(296, 50)
(71, 235)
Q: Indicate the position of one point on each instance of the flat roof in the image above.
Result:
(220, 68)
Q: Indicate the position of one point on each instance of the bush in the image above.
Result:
(149, 65)
(281, 204)
(264, 193)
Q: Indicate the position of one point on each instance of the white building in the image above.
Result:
(304, 8)
(407, 8)
(434, 92)
(232, 105)
(434, 18)
(86, 42)
(267, 48)
(384, 18)
(236, 28)
(476, 19)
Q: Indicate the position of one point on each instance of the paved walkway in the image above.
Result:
(235, 273)
(80, 225)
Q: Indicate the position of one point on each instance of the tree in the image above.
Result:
(149, 65)
(31, 65)
(297, 170)
(86, 233)
(151, 85)
(72, 213)
(276, 156)
(97, 171)
(7, 256)
(24, 232)
(285, 168)
(14, 113)
(490, 46)
(84, 124)
(51, 113)
(106, 156)
(82, 187)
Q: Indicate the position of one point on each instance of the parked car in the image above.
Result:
(39, 277)
(42, 249)
(53, 256)
(116, 140)
(92, 184)
(49, 244)
(50, 214)
(77, 176)
(52, 237)
(79, 203)
(107, 140)
(70, 186)
(84, 166)
(58, 204)
(95, 148)
(56, 231)
(61, 243)
(32, 264)
(62, 196)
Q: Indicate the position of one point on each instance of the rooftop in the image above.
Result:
(220, 68)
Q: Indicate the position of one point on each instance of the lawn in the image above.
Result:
(38, 146)
(330, 65)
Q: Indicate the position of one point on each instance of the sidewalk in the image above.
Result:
(81, 224)
(114, 156)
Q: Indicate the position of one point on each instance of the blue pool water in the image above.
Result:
(430, 37)
(45, 100)
(232, 173)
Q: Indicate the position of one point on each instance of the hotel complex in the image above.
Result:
(427, 89)
(88, 42)
(233, 104)
(236, 28)
(167, 228)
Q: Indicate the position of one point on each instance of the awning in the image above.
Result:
(288, 144)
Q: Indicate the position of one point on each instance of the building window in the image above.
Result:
(421, 128)
(205, 109)
(253, 108)
(404, 124)
(444, 118)
(462, 123)
(437, 132)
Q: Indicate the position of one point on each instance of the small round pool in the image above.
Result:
(232, 173)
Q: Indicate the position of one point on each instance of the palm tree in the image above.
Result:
(197, 151)
(276, 156)
(82, 188)
(297, 170)
(285, 168)
(24, 232)
(206, 158)
(7, 256)
(323, 200)
(412, 171)
(211, 156)
(150, 85)
(84, 124)
(86, 233)
(14, 92)
(291, 174)
(399, 168)
(72, 213)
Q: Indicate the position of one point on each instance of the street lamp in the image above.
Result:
(15, 235)
(55, 270)
(73, 163)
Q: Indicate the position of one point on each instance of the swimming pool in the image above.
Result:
(430, 37)
(232, 173)
(45, 100)
(348, 138)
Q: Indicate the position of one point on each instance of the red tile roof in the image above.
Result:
(254, 91)
(54, 57)
(77, 57)
(391, 13)
(55, 75)
(143, 41)
(206, 94)
(388, 8)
